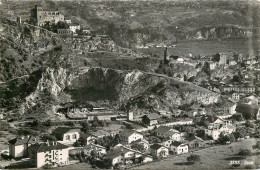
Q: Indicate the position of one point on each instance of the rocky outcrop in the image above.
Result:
(48, 90)
(135, 90)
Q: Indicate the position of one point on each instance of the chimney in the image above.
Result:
(48, 144)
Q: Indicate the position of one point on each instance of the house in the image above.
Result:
(195, 142)
(126, 155)
(232, 62)
(151, 119)
(179, 148)
(129, 136)
(91, 139)
(64, 32)
(142, 142)
(235, 97)
(98, 149)
(74, 27)
(67, 20)
(215, 131)
(167, 142)
(240, 89)
(229, 108)
(184, 121)
(161, 130)
(217, 121)
(100, 133)
(173, 135)
(196, 112)
(212, 65)
(49, 153)
(18, 147)
(66, 135)
(158, 150)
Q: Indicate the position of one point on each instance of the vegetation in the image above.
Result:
(244, 152)
(193, 158)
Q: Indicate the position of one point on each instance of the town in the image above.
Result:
(106, 138)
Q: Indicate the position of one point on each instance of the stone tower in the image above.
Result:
(39, 15)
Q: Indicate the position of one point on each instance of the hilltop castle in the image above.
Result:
(39, 15)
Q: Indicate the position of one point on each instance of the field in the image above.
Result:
(215, 157)
(243, 46)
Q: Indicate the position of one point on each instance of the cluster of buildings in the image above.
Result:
(40, 15)
(157, 140)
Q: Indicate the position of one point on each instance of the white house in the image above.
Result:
(66, 136)
(49, 153)
(229, 108)
(167, 142)
(235, 97)
(142, 142)
(212, 65)
(18, 147)
(179, 148)
(158, 150)
(100, 133)
(130, 136)
(126, 156)
(217, 129)
(74, 27)
(175, 136)
(100, 150)
(91, 139)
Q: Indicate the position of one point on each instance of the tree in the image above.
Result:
(85, 127)
(94, 154)
(62, 25)
(117, 138)
(48, 137)
(237, 78)
(47, 123)
(82, 139)
(257, 145)
(71, 124)
(193, 158)
(244, 152)
(223, 139)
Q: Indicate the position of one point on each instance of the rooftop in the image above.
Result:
(127, 132)
(153, 116)
(47, 146)
(156, 146)
(162, 129)
(60, 131)
(176, 143)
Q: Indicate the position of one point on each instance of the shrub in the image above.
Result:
(244, 152)
(193, 158)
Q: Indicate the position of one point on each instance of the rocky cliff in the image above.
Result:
(99, 87)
